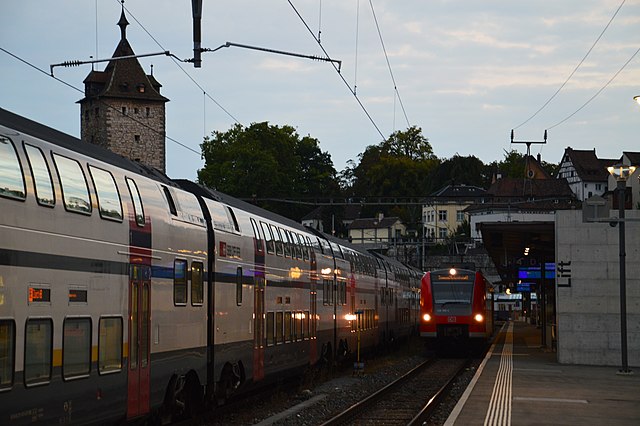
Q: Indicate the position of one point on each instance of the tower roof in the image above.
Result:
(122, 78)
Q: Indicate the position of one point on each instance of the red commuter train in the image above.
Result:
(455, 306)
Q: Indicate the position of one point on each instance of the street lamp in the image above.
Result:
(637, 99)
(621, 173)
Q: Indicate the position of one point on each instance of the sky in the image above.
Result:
(465, 71)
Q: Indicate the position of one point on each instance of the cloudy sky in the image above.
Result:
(466, 71)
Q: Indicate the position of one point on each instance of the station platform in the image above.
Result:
(521, 383)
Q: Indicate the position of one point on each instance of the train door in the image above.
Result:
(139, 340)
(258, 339)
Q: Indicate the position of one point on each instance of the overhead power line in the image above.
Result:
(24, 61)
(597, 93)
(337, 70)
(395, 86)
(574, 70)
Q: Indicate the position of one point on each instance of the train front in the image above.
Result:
(452, 306)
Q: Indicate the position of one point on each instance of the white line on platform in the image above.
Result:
(572, 401)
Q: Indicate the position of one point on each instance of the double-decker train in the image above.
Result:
(456, 306)
(124, 293)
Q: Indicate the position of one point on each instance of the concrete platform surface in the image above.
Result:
(520, 383)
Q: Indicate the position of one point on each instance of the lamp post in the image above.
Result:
(621, 173)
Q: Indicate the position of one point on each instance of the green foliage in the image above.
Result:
(267, 161)
(460, 170)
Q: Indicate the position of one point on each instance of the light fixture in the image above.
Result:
(637, 99)
(621, 172)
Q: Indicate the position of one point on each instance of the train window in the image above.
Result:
(239, 286)
(38, 351)
(137, 201)
(180, 282)
(109, 204)
(279, 320)
(287, 243)
(288, 330)
(270, 326)
(41, 176)
(298, 244)
(76, 347)
(144, 326)
(170, 203)
(197, 287)
(220, 216)
(232, 218)
(299, 324)
(109, 345)
(258, 238)
(278, 240)
(11, 179)
(305, 326)
(268, 237)
(313, 314)
(327, 291)
(7, 352)
(75, 192)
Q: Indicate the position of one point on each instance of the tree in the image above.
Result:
(397, 167)
(459, 170)
(267, 161)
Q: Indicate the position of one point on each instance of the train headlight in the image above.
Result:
(426, 317)
(478, 318)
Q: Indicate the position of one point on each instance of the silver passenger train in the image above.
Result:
(124, 293)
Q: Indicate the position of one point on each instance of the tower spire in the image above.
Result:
(122, 23)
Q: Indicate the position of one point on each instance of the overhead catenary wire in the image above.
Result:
(24, 61)
(338, 71)
(395, 86)
(598, 92)
(175, 61)
(574, 70)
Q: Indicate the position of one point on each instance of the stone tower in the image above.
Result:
(123, 109)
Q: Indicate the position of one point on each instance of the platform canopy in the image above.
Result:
(516, 244)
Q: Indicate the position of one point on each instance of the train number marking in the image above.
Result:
(452, 319)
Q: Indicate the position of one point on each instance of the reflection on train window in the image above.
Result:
(76, 347)
(11, 179)
(239, 286)
(170, 203)
(258, 239)
(38, 351)
(109, 203)
(268, 237)
(287, 242)
(74, 186)
(110, 345)
(7, 352)
(327, 291)
(197, 288)
(305, 325)
(41, 176)
(287, 327)
(270, 325)
(278, 240)
(137, 201)
(180, 282)
(221, 216)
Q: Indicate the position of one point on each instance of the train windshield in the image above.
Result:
(452, 292)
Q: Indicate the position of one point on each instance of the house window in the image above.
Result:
(459, 216)
(442, 215)
(442, 233)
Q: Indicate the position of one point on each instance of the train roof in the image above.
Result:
(64, 140)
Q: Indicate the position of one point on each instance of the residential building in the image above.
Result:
(585, 173)
(377, 231)
(445, 210)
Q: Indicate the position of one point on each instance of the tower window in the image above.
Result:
(124, 110)
(140, 88)
(135, 110)
(136, 138)
(148, 111)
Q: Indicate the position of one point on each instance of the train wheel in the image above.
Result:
(183, 398)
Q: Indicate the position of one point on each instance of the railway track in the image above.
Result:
(409, 400)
